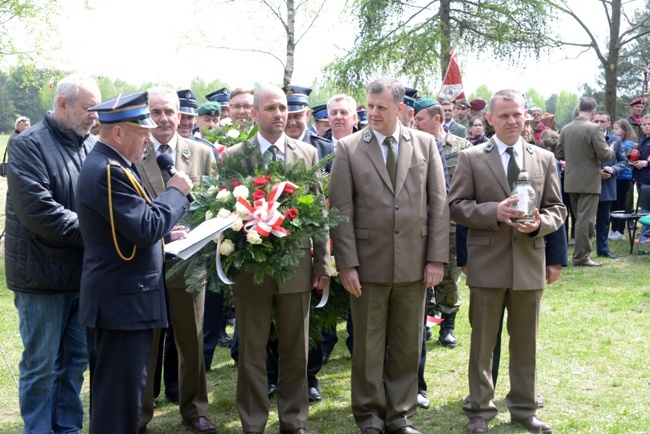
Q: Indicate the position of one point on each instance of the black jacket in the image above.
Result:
(43, 247)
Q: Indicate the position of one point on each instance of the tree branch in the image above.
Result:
(312, 21)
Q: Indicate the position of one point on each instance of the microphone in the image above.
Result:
(166, 163)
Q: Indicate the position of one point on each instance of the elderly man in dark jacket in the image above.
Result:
(44, 254)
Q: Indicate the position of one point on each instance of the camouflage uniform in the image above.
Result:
(446, 293)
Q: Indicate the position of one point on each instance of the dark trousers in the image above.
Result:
(118, 374)
(621, 203)
(422, 384)
(213, 324)
(602, 225)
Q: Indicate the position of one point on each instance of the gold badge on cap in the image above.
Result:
(367, 136)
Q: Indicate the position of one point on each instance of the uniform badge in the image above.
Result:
(406, 134)
(213, 113)
(489, 146)
(146, 153)
(367, 136)
(188, 95)
(529, 148)
(186, 153)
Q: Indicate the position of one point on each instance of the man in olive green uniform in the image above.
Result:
(429, 117)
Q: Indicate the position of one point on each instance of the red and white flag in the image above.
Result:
(452, 85)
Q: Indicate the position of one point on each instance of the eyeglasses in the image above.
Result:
(238, 107)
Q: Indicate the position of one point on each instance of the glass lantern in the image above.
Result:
(527, 198)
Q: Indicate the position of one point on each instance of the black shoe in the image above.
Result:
(607, 255)
(272, 389)
(447, 337)
(423, 401)
(314, 394)
(429, 335)
(224, 339)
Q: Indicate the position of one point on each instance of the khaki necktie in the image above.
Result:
(391, 161)
(513, 167)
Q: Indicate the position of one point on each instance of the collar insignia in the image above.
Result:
(186, 153)
(146, 153)
(529, 148)
(367, 136)
(489, 146)
(406, 134)
(291, 145)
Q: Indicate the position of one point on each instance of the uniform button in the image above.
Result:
(396, 232)
(140, 285)
(396, 207)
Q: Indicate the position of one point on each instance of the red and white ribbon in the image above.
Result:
(264, 216)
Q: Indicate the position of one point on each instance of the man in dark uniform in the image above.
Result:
(187, 125)
(298, 109)
(122, 284)
(186, 309)
(321, 123)
(221, 96)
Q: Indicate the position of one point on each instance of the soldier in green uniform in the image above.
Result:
(429, 117)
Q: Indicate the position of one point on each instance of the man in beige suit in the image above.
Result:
(389, 181)
(257, 305)
(582, 145)
(506, 260)
(186, 309)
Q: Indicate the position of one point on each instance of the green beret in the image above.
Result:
(210, 108)
(423, 103)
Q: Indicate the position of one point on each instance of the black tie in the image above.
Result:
(391, 161)
(162, 149)
(274, 150)
(513, 167)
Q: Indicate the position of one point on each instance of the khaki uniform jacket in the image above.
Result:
(391, 233)
(499, 256)
(582, 145)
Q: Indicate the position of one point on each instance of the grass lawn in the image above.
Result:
(593, 353)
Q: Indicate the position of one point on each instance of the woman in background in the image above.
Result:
(624, 130)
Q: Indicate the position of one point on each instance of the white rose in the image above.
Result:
(253, 237)
(224, 213)
(226, 247)
(226, 121)
(233, 134)
(223, 195)
(240, 209)
(209, 215)
(241, 191)
(239, 223)
(213, 189)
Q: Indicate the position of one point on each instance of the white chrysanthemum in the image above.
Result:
(241, 191)
(253, 237)
(225, 121)
(233, 134)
